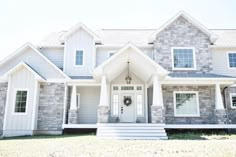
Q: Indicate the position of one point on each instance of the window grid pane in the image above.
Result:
(186, 104)
(20, 102)
(79, 57)
(234, 101)
(183, 58)
(232, 60)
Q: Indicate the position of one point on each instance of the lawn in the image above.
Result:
(187, 144)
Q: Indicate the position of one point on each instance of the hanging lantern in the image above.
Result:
(128, 78)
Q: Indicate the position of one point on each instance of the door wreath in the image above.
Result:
(127, 101)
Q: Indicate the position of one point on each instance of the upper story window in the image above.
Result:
(20, 101)
(183, 58)
(111, 53)
(232, 59)
(79, 57)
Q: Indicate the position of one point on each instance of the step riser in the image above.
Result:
(135, 138)
(131, 131)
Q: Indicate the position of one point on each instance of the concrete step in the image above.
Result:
(131, 131)
(136, 138)
(131, 134)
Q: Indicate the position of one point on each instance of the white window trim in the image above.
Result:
(14, 101)
(231, 104)
(194, 58)
(186, 115)
(228, 59)
(75, 57)
(109, 52)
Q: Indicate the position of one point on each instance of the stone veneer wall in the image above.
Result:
(230, 111)
(3, 96)
(206, 103)
(51, 106)
(182, 33)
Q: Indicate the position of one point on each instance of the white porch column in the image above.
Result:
(220, 111)
(157, 110)
(218, 98)
(157, 93)
(103, 108)
(73, 105)
(73, 112)
(103, 94)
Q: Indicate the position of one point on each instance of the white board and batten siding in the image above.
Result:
(80, 40)
(89, 101)
(35, 61)
(20, 124)
(55, 55)
(221, 64)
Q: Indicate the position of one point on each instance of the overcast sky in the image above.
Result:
(30, 20)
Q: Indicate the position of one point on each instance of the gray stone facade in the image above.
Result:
(206, 104)
(231, 113)
(158, 114)
(50, 107)
(3, 96)
(103, 114)
(182, 33)
(73, 116)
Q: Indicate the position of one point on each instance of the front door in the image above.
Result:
(127, 108)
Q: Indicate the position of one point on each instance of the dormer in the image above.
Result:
(79, 51)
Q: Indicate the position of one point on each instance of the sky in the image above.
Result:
(30, 20)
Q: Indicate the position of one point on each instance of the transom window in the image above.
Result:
(232, 60)
(186, 104)
(20, 101)
(233, 100)
(79, 55)
(183, 58)
(127, 87)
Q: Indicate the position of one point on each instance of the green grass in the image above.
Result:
(180, 144)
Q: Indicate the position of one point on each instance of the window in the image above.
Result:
(79, 55)
(186, 104)
(233, 100)
(139, 105)
(183, 58)
(127, 88)
(139, 87)
(111, 53)
(115, 88)
(115, 109)
(20, 101)
(78, 100)
(232, 60)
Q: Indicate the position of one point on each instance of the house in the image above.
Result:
(126, 83)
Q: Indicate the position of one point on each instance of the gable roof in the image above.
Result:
(212, 36)
(29, 45)
(76, 28)
(23, 64)
(118, 56)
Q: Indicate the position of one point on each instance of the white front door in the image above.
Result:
(127, 108)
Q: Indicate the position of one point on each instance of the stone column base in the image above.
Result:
(103, 114)
(73, 117)
(158, 114)
(220, 116)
